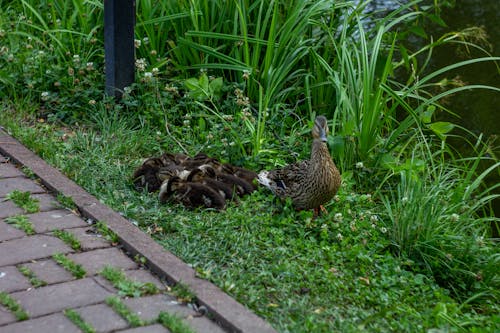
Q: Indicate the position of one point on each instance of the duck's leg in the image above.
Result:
(323, 209)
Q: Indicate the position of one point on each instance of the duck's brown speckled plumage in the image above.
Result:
(310, 183)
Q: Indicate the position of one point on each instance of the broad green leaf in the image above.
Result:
(441, 128)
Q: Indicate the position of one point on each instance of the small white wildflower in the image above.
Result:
(454, 217)
(374, 218)
(148, 75)
(352, 225)
(338, 217)
(232, 143)
(45, 96)
(155, 71)
(137, 43)
(383, 230)
(145, 40)
(246, 75)
(90, 66)
(186, 122)
(339, 236)
(92, 102)
(127, 90)
(140, 64)
(359, 165)
(480, 240)
(374, 225)
(76, 59)
(404, 199)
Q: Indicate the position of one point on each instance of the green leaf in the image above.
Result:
(203, 82)
(426, 116)
(192, 84)
(216, 86)
(441, 128)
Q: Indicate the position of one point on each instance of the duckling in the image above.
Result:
(248, 175)
(145, 176)
(199, 176)
(240, 185)
(190, 194)
(309, 183)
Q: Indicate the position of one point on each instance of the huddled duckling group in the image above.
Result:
(202, 181)
(199, 181)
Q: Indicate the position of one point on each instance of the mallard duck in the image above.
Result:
(310, 183)
(190, 194)
(198, 176)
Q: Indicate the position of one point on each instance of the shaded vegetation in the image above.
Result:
(406, 245)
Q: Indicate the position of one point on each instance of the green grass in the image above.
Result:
(25, 201)
(104, 230)
(66, 201)
(21, 222)
(13, 306)
(34, 280)
(68, 238)
(173, 323)
(116, 304)
(78, 321)
(75, 269)
(126, 286)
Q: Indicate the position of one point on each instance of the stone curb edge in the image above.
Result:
(231, 314)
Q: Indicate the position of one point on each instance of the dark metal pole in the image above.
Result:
(119, 20)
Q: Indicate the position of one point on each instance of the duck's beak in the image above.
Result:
(322, 135)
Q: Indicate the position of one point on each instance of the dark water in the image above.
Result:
(477, 110)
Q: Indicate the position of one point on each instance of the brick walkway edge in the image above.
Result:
(45, 291)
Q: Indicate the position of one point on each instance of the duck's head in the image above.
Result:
(320, 128)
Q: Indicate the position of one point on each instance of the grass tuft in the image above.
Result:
(13, 306)
(126, 286)
(34, 280)
(75, 269)
(173, 323)
(78, 321)
(25, 201)
(68, 238)
(21, 222)
(116, 304)
(104, 230)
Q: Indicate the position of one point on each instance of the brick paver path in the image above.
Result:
(45, 290)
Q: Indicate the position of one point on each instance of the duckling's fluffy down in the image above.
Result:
(215, 182)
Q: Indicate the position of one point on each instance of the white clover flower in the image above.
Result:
(383, 230)
(148, 75)
(145, 40)
(140, 64)
(155, 71)
(374, 218)
(454, 217)
(404, 199)
(339, 236)
(92, 102)
(45, 96)
(246, 75)
(90, 66)
(76, 59)
(359, 165)
(338, 217)
(137, 43)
